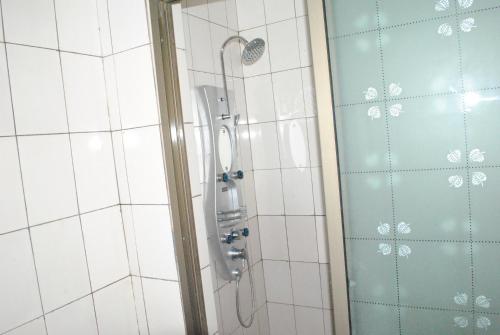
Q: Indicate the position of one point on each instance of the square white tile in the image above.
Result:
(264, 142)
(301, 233)
(254, 245)
(228, 312)
(288, 94)
(217, 12)
(304, 41)
(130, 239)
(12, 207)
(18, 282)
(60, 261)
(283, 45)
(281, 319)
(78, 26)
(268, 192)
(94, 170)
(273, 237)
(201, 45)
(136, 88)
(85, 90)
(279, 10)
(155, 245)
(297, 191)
(115, 309)
(145, 169)
(164, 307)
(250, 14)
(180, 42)
(48, 177)
(198, 8)
(105, 246)
(293, 143)
(36, 82)
(306, 284)
(232, 15)
(78, 318)
(36, 327)
(31, 23)
(260, 99)
(128, 22)
(278, 281)
(309, 321)
(6, 116)
(219, 35)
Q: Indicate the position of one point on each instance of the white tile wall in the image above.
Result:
(94, 170)
(85, 90)
(12, 207)
(163, 298)
(278, 281)
(264, 142)
(6, 117)
(293, 187)
(115, 309)
(18, 282)
(47, 171)
(68, 77)
(77, 318)
(78, 26)
(105, 246)
(30, 23)
(61, 262)
(35, 79)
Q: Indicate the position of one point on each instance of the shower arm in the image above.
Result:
(223, 68)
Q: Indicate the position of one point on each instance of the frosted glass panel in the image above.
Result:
(416, 88)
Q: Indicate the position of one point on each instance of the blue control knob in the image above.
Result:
(245, 232)
(229, 238)
(225, 177)
(239, 174)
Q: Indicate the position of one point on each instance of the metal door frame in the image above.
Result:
(176, 165)
(329, 159)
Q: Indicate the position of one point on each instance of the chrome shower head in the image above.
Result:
(253, 51)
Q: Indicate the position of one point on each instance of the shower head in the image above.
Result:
(253, 51)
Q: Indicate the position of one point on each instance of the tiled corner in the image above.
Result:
(76, 318)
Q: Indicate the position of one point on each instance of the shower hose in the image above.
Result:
(238, 278)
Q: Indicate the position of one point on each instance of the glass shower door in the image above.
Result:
(416, 87)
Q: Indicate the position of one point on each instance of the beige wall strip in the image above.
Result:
(331, 183)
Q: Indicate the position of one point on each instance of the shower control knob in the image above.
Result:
(236, 253)
(237, 175)
(245, 232)
(228, 238)
(224, 177)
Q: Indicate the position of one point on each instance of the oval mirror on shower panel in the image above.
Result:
(225, 149)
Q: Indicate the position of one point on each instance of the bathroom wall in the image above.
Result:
(287, 167)
(85, 237)
(201, 27)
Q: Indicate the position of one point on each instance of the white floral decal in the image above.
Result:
(396, 109)
(371, 93)
(404, 250)
(476, 155)
(454, 156)
(374, 112)
(461, 321)
(442, 5)
(478, 178)
(456, 181)
(404, 228)
(384, 228)
(483, 322)
(465, 3)
(461, 299)
(395, 90)
(467, 25)
(384, 248)
(445, 30)
(483, 302)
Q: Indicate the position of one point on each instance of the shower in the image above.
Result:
(251, 53)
